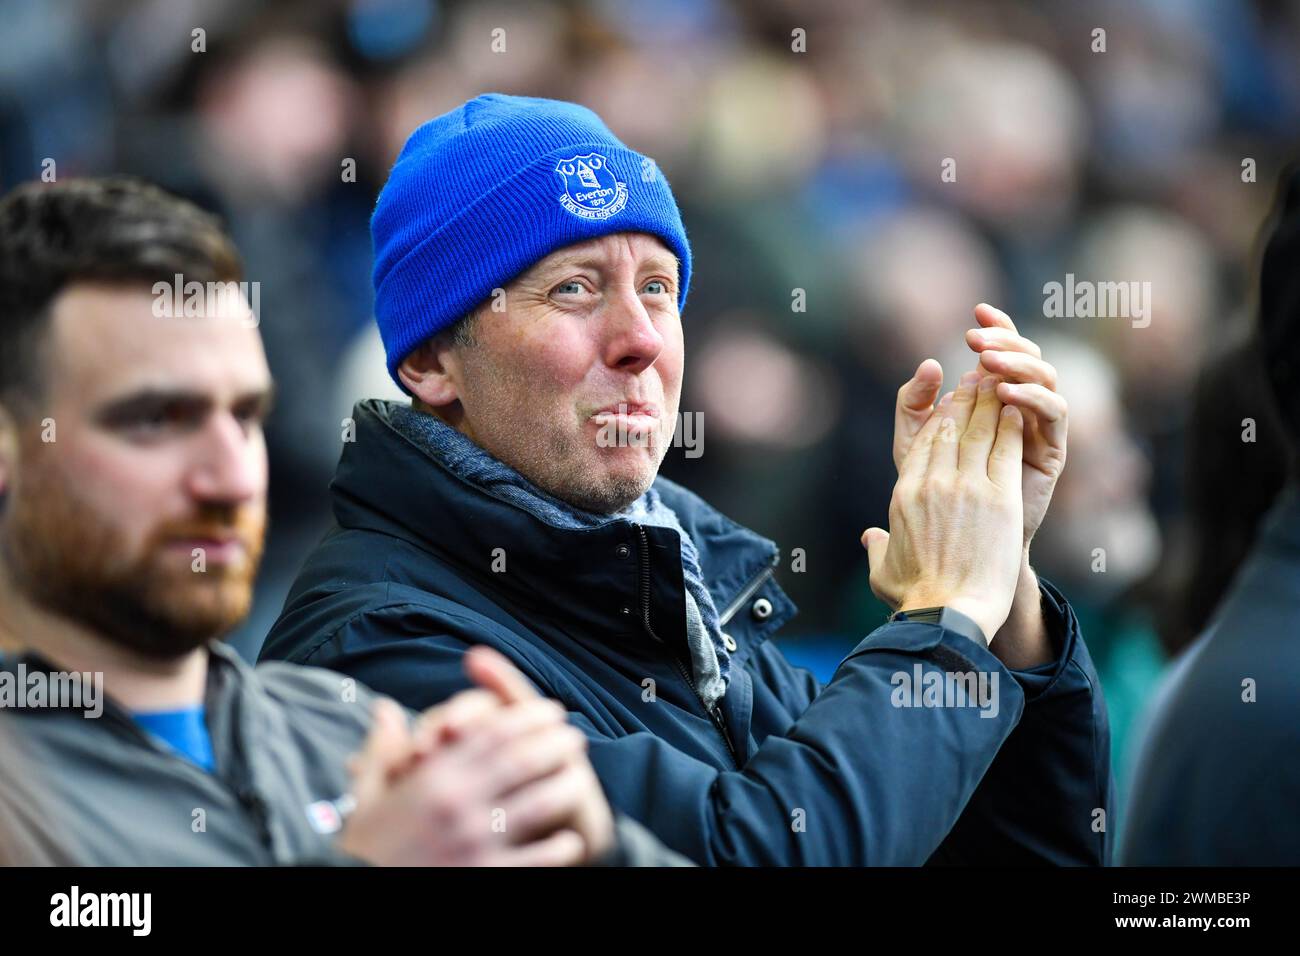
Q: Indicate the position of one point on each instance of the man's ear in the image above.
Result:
(431, 373)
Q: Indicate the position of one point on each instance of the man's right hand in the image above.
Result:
(956, 531)
(493, 776)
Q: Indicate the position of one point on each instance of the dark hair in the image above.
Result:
(1278, 314)
(118, 230)
(1230, 486)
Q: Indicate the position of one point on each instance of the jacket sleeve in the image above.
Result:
(863, 776)
(1048, 796)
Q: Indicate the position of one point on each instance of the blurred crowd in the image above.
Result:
(854, 177)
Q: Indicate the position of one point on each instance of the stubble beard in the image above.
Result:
(565, 464)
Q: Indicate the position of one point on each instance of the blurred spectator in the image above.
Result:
(1150, 246)
(1231, 483)
(1009, 118)
(273, 122)
(1217, 782)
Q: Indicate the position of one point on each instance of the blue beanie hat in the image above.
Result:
(480, 194)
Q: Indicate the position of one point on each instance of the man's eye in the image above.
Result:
(250, 416)
(569, 288)
(656, 287)
(151, 425)
(154, 418)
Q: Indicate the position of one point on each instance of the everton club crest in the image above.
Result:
(590, 189)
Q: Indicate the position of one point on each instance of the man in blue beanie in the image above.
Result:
(530, 275)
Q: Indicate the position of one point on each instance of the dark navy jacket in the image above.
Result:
(1218, 774)
(789, 772)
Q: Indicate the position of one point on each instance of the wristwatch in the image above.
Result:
(947, 617)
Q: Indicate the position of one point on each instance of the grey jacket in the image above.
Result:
(77, 790)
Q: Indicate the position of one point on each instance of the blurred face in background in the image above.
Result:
(275, 121)
(136, 504)
(1144, 243)
(1102, 535)
(591, 327)
(910, 310)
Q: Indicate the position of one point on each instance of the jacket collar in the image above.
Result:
(226, 675)
(388, 484)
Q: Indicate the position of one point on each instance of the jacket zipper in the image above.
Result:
(718, 721)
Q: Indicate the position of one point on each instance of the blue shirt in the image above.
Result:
(184, 731)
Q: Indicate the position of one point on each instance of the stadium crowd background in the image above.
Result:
(832, 253)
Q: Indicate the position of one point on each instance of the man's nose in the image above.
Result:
(229, 467)
(633, 343)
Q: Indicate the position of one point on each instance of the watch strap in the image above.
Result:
(945, 617)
